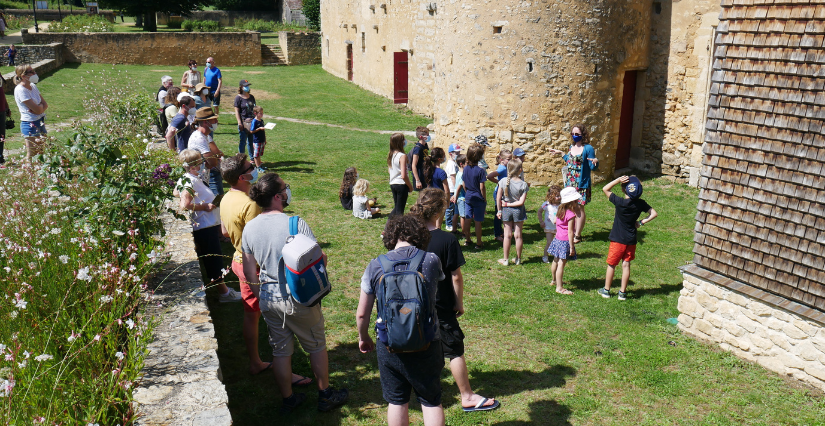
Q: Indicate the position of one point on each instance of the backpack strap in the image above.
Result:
(293, 225)
(413, 263)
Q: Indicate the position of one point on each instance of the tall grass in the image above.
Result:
(79, 237)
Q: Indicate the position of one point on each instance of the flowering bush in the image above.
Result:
(81, 24)
(79, 238)
(14, 22)
(202, 26)
(261, 25)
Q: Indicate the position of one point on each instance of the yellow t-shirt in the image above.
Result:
(237, 209)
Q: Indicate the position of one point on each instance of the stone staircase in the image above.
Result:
(272, 55)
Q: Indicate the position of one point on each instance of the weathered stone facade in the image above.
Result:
(300, 48)
(168, 48)
(746, 325)
(43, 59)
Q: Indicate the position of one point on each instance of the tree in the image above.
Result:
(312, 11)
(148, 8)
(251, 5)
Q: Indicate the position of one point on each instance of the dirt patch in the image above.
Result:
(263, 95)
(253, 72)
(161, 70)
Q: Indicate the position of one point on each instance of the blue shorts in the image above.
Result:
(33, 128)
(459, 202)
(475, 209)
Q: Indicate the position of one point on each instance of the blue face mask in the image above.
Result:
(429, 139)
(254, 175)
(246, 89)
(577, 138)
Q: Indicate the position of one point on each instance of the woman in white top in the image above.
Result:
(399, 180)
(32, 108)
(191, 77)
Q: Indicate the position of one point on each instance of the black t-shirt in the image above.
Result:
(445, 246)
(624, 221)
(346, 200)
(421, 151)
(245, 106)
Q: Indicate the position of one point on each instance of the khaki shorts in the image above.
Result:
(285, 319)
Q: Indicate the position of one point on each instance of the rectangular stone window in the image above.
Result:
(497, 29)
(363, 42)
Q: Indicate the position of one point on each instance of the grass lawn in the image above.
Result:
(550, 359)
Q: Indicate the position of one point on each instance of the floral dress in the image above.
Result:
(573, 175)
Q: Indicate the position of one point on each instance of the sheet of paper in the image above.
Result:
(269, 126)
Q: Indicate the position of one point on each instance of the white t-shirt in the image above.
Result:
(549, 216)
(21, 94)
(201, 194)
(396, 178)
(199, 142)
(451, 168)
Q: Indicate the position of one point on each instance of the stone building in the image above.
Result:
(522, 73)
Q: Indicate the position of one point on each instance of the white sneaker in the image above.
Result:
(516, 261)
(449, 228)
(503, 262)
(230, 296)
(545, 259)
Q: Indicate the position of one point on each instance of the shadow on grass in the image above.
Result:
(549, 413)
(290, 166)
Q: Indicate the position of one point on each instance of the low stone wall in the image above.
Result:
(44, 15)
(778, 339)
(167, 48)
(27, 54)
(40, 67)
(225, 17)
(300, 48)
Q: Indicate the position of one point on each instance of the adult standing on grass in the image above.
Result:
(449, 303)
(179, 130)
(32, 108)
(399, 179)
(206, 122)
(5, 111)
(263, 240)
(244, 102)
(213, 79)
(580, 160)
(191, 77)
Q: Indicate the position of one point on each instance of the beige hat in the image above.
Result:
(201, 86)
(205, 113)
(567, 194)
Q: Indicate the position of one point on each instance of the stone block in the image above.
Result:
(525, 136)
(737, 299)
(707, 301)
(794, 332)
(808, 351)
(152, 394)
(774, 324)
(532, 129)
(704, 326)
(714, 290)
(505, 136)
(780, 340)
(808, 328)
(727, 311)
(685, 320)
(760, 309)
(688, 305)
(748, 324)
(764, 344)
(734, 329)
(715, 320)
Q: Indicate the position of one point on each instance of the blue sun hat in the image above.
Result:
(633, 188)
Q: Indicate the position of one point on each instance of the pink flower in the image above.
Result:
(97, 338)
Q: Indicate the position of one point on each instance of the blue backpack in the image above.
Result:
(302, 268)
(405, 321)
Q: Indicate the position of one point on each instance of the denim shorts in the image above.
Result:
(459, 203)
(33, 128)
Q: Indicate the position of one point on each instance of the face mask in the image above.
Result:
(428, 139)
(209, 65)
(246, 89)
(34, 79)
(577, 138)
(405, 143)
(205, 92)
(213, 127)
(194, 68)
(288, 197)
(192, 112)
(254, 174)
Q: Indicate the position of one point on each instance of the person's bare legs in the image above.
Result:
(560, 276)
(282, 368)
(458, 366)
(608, 276)
(580, 224)
(508, 234)
(553, 265)
(319, 362)
(398, 415)
(517, 228)
(465, 228)
(478, 233)
(625, 275)
(549, 236)
(433, 416)
(250, 337)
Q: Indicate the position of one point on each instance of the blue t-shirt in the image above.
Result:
(421, 151)
(502, 173)
(473, 177)
(439, 176)
(210, 78)
(184, 130)
(258, 137)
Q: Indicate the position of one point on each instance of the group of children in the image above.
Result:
(463, 177)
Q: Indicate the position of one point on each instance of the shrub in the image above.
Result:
(81, 24)
(266, 26)
(79, 238)
(16, 22)
(312, 11)
(202, 26)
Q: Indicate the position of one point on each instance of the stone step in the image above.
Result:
(272, 55)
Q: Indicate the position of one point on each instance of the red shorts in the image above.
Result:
(250, 302)
(619, 252)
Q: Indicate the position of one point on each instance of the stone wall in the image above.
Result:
(167, 48)
(300, 48)
(50, 58)
(29, 54)
(673, 94)
(225, 17)
(752, 328)
(496, 69)
(44, 15)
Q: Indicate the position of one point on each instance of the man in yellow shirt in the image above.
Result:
(236, 211)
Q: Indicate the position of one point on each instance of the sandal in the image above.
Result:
(564, 291)
(479, 247)
(577, 240)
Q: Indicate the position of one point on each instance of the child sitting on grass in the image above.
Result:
(547, 217)
(345, 192)
(360, 203)
(258, 137)
(623, 235)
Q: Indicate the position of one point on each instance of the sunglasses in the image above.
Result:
(30, 72)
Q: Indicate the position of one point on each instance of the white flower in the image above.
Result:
(26, 354)
(5, 388)
(55, 231)
(22, 364)
(132, 257)
(83, 274)
(63, 258)
(106, 299)
(72, 337)
(130, 324)
(21, 304)
(119, 355)
(44, 357)
(13, 314)
(2, 348)
(97, 338)
(119, 233)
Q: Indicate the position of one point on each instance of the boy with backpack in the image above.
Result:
(623, 235)
(405, 283)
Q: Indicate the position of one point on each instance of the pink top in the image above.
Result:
(562, 225)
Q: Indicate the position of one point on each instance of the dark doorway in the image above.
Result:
(349, 62)
(626, 120)
(400, 78)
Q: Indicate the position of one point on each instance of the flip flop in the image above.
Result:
(268, 366)
(302, 379)
(481, 407)
(564, 291)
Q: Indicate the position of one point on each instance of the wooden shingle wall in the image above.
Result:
(761, 213)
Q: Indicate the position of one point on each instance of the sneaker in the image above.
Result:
(261, 170)
(606, 293)
(296, 400)
(545, 259)
(449, 228)
(503, 262)
(622, 295)
(336, 399)
(516, 261)
(230, 296)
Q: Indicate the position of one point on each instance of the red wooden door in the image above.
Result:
(400, 78)
(626, 120)
(349, 62)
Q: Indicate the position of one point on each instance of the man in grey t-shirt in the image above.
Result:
(263, 240)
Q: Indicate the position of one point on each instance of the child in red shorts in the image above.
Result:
(623, 235)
